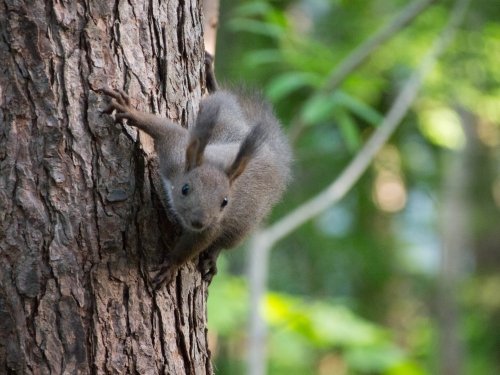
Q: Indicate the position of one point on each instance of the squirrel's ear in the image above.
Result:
(194, 154)
(247, 151)
(237, 168)
(205, 123)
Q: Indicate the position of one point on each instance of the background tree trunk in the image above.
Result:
(80, 214)
(457, 247)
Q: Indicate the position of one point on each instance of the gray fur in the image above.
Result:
(236, 151)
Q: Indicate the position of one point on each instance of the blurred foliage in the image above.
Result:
(305, 333)
(355, 290)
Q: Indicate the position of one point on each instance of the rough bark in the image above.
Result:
(80, 214)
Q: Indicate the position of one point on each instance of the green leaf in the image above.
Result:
(254, 8)
(256, 27)
(317, 109)
(339, 326)
(286, 83)
(408, 368)
(349, 130)
(374, 358)
(305, 54)
(359, 108)
(263, 56)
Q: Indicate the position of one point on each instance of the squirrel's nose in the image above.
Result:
(197, 224)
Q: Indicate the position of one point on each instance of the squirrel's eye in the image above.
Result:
(224, 202)
(185, 189)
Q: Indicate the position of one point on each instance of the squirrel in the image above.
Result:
(221, 177)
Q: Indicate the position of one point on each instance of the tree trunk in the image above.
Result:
(456, 249)
(80, 215)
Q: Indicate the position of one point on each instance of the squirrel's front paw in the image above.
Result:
(207, 266)
(120, 103)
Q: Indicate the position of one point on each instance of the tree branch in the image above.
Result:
(361, 53)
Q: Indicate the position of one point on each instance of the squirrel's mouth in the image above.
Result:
(197, 224)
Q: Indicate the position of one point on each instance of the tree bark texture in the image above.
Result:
(81, 219)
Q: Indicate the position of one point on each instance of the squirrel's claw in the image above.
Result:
(207, 266)
(120, 102)
(120, 95)
(165, 275)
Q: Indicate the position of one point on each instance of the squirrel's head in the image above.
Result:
(202, 193)
(201, 196)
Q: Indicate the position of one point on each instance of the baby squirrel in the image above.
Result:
(221, 177)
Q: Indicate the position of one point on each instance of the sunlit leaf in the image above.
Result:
(406, 368)
(338, 326)
(442, 127)
(374, 358)
(278, 308)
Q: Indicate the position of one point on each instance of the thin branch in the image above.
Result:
(361, 53)
(357, 57)
(257, 329)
